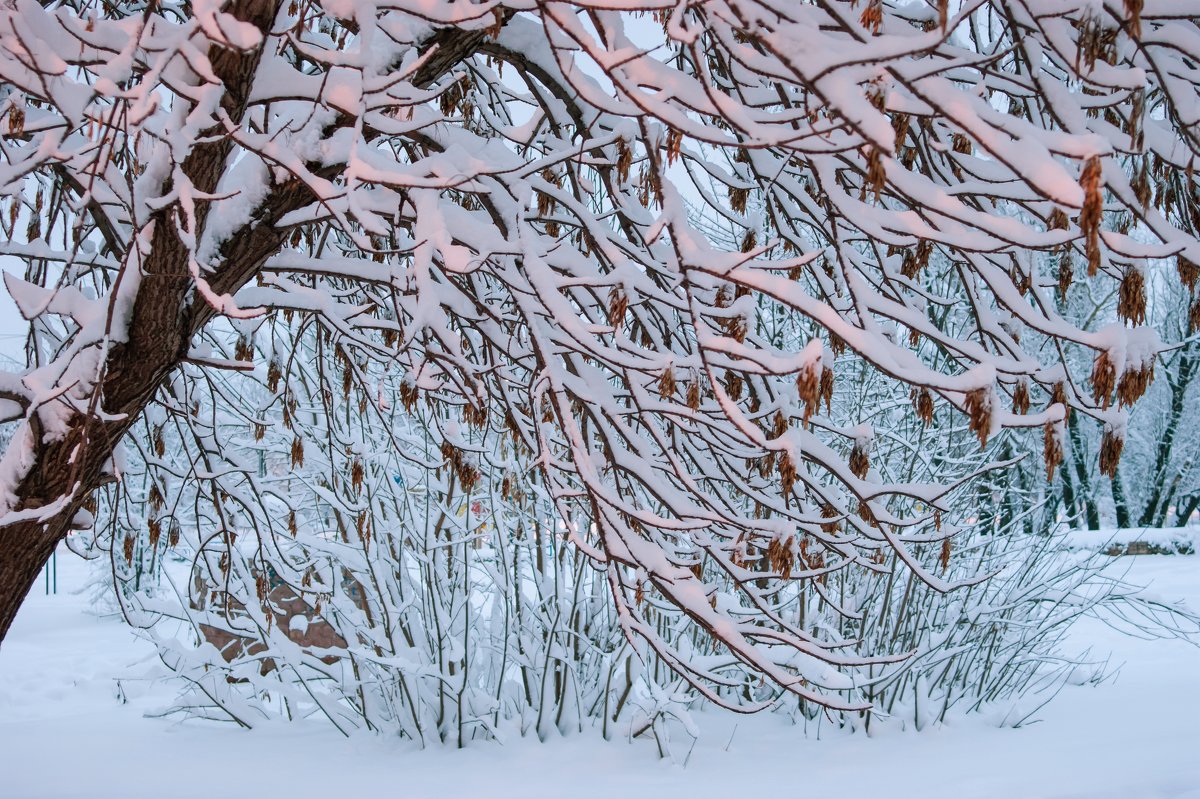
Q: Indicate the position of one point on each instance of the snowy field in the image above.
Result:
(65, 733)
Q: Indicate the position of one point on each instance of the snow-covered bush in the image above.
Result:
(353, 279)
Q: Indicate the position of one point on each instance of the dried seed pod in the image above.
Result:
(274, 373)
(666, 383)
(978, 406)
(837, 345)
(737, 199)
(922, 402)
(674, 142)
(1021, 397)
(693, 395)
(1141, 186)
(618, 304)
(624, 160)
(749, 241)
(1103, 379)
(127, 548)
(1110, 451)
(1052, 450)
(781, 557)
(1058, 394)
(736, 328)
(409, 394)
(546, 204)
(243, 350)
(733, 384)
(827, 388)
(1131, 304)
(649, 187)
(916, 259)
(944, 557)
(16, 120)
(1134, 382)
(154, 531)
(1093, 208)
(780, 425)
(808, 387)
(787, 474)
(173, 533)
(1066, 271)
(860, 462)
(155, 498)
(876, 174)
(357, 473)
(872, 17)
(827, 512)
(1133, 10)
(475, 416)
(297, 452)
(1057, 220)
(867, 514)
(1194, 317)
(291, 524)
(961, 144)
(1189, 272)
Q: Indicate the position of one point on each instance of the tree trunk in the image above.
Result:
(21, 564)
(1120, 505)
(1162, 461)
(1086, 493)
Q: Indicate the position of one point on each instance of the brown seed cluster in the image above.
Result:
(827, 388)
(829, 512)
(916, 259)
(1189, 272)
(475, 416)
(467, 474)
(781, 556)
(1110, 452)
(876, 175)
(666, 383)
(978, 406)
(1103, 379)
(1052, 451)
(1093, 208)
(1131, 297)
(618, 303)
(922, 402)
(860, 461)
(1133, 10)
(1020, 399)
(808, 387)
(872, 17)
(1133, 383)
(787, 474)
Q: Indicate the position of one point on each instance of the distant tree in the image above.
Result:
(630, 239)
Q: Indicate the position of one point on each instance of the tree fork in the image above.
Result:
(71, 469)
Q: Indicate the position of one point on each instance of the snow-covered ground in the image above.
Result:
(65, 733)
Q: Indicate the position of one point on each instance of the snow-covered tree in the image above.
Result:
(612, 248)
